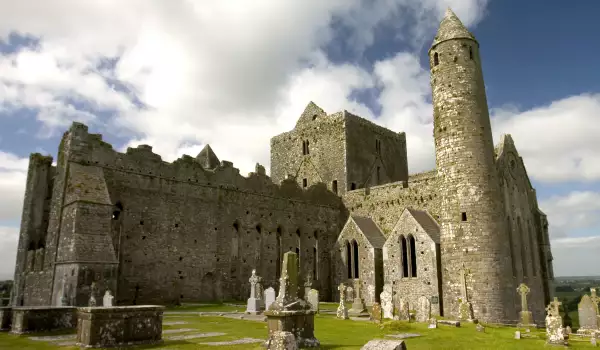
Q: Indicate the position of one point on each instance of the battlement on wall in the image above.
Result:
(89, 149)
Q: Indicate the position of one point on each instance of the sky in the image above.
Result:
(178, 74)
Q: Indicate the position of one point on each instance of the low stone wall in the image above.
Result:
(42, 319)
(119, 326)
(5, 318)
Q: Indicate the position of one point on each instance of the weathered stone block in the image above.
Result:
(381, 344)
(42, 318)
(119, 326)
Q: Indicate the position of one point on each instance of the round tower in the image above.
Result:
(475, 253)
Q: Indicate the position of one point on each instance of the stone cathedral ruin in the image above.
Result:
(462, 237)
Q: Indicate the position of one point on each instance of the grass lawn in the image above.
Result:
(332, 333)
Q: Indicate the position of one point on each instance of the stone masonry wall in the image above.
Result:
(520, 208)
(374, 155)
(191, 234)
(385, 203)
(473, 235)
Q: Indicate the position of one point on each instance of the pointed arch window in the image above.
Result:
(404, 253)
(349, 259)
(510, 243)
(523, 242)
(413, 255)
(355, 258)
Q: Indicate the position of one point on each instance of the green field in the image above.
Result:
(333, 333)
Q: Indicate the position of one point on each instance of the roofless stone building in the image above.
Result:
(339, 195)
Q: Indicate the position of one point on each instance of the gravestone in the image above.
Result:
(594, 339)
(370, 294)
(525, 317)
(358, 306)
(107, 300)
(342, 311)
(289, 313)
(555, 334)
(432, 323)
(349, 293)
(588, 317)
(518, 335)
(387, 304)
(313, 300)
(269, 297)
(480, 328)
(465, 308)
(92, 300)
(424, 309)
(308, 285)
(255, 303)
(376, 313)
(403, 310)
(381, 344)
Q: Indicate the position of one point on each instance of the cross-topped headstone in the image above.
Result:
(254, 279)
(553, 308)
(342, 289)
(523, 290)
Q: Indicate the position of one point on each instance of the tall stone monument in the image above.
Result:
(342, 311)
(255, 302)
(387, 304)
(555, 333)
(525, 317)
(289, 313)
(465, 309)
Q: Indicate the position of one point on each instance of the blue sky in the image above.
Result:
(180, 76)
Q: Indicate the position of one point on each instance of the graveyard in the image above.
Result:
(288, 319)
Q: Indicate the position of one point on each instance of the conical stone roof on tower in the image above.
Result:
(451, 28)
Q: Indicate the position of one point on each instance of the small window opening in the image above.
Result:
(352, 186)
(307, 149)
(315, 117)
(298, 232)
(258, 228)
(334, 187)
(436, 59)
(304, 183)
(378, 175)
(471, 53)
(236, 226)
(116, 214)
(464, 216)
(303, 147)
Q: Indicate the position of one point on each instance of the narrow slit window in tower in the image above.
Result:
(307, 149)
(436, 59)
(304, 183)
(303, 147)
(334, 187)
(471, 53)
(463, 216)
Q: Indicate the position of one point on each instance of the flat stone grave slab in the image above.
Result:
(119, 325)
(250, 317)
(178, 330)
(43, 319)
(235, 342)
(403, 335)
(452, 323)
(52, 338)
(195, 336)
(360, 319)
